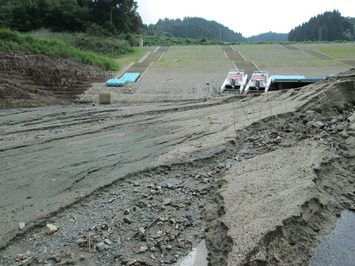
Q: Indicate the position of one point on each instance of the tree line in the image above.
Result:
(195, 28)
(106, 16)
(329, 26)
(269, 37)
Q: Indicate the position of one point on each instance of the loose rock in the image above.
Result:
(108, 242)
(318, 124)
(100, 246)
(143, 249)
(51, 228)
(167, 201)
(127, 220)
(21, 226)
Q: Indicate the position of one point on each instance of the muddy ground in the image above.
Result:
(29, 80)
(171, 162)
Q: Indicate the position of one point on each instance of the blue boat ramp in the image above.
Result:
(127, 77)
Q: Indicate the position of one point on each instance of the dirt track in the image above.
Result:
(172, 162)
(239, 60)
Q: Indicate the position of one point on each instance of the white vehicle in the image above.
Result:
(258, 82)
(235, 81)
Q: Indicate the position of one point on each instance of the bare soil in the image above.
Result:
(29, 80)
(171, 162)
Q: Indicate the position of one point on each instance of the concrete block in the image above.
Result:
(105, 98)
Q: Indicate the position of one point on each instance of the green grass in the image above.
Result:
(190, 57)
(136, 55)
(154, 40)
(10, 40)
(278, 60)
(112, 47)
(338, 50)
(340, 53)
(273, 55)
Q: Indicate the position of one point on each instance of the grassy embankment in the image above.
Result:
(278, 60)
(154, 40)
(79, 47)
(344, 50)
(208, 57)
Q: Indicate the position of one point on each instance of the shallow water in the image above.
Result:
(337, 248)
(197, 257)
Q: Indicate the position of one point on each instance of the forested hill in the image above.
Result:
(329, 26)
(269, 37)
(195, 28)
(114, 16)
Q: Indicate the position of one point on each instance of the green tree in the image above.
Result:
(65, 15)
(330, 26)
(71, 15)
(121, 14)
(196, 28)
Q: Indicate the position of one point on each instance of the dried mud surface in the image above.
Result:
(171, 162)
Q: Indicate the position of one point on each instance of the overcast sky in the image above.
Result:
(247, 17)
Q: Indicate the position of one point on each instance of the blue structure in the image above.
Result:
(127, 77)
(279, 82)
(287, 77)
(292, 78)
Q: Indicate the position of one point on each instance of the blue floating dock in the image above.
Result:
(279, 82)
(287, 77)
(127, 77)
(293, 78)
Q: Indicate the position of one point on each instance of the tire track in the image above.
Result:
(231, 54)
(348, 62)
(141, 67)
(239, 60)
(318, 54)
(19, 131)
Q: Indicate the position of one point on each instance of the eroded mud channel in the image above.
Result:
(151, 218)
(260, 178)
(157, 216)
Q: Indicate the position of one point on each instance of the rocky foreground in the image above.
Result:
(261, 178)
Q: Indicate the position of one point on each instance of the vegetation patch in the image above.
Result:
(102, 45)
(277, 60)
(11, 40)
(155, 40)
(329, 26)
(195, 28)
(343, 53)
